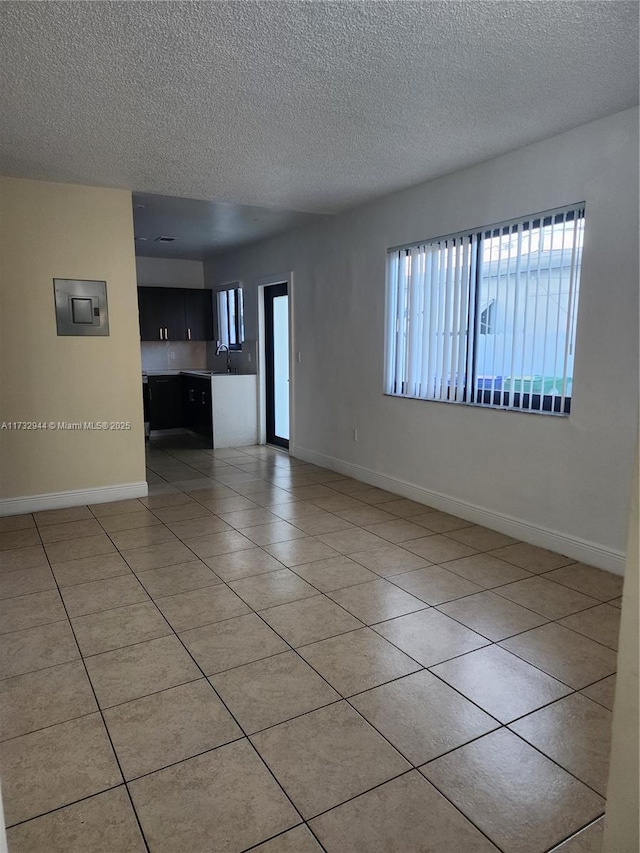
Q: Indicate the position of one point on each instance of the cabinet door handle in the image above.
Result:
(161, 333)
(204, 394)
(188, 334)
(191, 395)
(150, 394)
(166, 334)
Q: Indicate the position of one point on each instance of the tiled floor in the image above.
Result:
(266, 655)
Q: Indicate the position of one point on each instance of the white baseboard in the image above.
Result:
(77, 497)
(553, 540)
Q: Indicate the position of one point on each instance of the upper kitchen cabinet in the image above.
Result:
(175, 314)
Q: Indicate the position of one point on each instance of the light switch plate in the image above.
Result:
(81, 307)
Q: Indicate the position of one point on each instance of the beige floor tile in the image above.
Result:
(482, 538)
(430, 637)
(531, 558)
(223, 800)
(600, 623)
(74, 549)
(25, 582)
(396, 531)
(348, 486)
(222, 506)
(103, 595)
(435, 585)
(312, 492)
(104, 822)
(376, 601)
(167, 499)
(565, 655)
(350, 541)
(27, 611)
(167, 727)
(575, 733)
(171, 580)
(387, 560)
(486, 570)
(61, 516)
(234, 642)
(270, 691)
(195, 527)
(520, 799)
(37, 648)
(276, 531)
(602, 692)
(39, 699)
(10, 540)
(327, 756)
(591, 581)
(442, 522)
(500, 683)
(219, 543)
(365, 516)
(546, 597)
(406, 814)
(248, 517)
(376, 496)
(129, 520)
(70, 530)
(296, 509)
(182, 511)
(589, 840)
(88, 569)
(298, 840)
(52, 767)
(135, 671)
(31, 557)
(422, 717)
(404, 508)
(491, 615)
(129, 505)
(243, 564)
(334, 573)
(201, 607)
(299, 551)
(272, 588)
(616, 602)
(309, 620)
(325, 523)
(357, 661)
(16, 522)
(158, 556)
(438, 549)
(142, 537)
(121, 626)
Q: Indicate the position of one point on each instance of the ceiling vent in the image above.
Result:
(164, 239)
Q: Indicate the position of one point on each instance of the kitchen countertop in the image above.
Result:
(192, 373)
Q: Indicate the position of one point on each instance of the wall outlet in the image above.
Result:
(172, 355)
(249, 357)
(299, 357)
(355, 434)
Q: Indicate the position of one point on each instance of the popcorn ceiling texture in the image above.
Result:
(309, 106)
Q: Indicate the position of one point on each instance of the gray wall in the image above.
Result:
(563, 482)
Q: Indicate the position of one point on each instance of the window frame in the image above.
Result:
(231, 294)
(520, 401)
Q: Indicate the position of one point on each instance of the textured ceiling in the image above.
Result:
(307, 106)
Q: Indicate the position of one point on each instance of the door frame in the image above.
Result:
(261, 284)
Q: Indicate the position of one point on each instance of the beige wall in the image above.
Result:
(623, 806)
(49, 231)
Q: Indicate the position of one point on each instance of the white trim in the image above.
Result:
(553, 540)
(77, 497)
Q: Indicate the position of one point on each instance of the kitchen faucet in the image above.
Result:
(219, 349)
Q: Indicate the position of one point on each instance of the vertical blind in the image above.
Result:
(489, 316)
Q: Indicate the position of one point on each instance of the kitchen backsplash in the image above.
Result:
(174, 355)
(244, 360)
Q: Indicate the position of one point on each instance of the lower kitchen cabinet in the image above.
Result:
(164, 400)
(197, 405)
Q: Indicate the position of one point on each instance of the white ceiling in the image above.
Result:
(299, 106)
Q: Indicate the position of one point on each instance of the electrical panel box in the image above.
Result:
(81, 307)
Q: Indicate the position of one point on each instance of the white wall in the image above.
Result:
(169, 272)
(569, 475)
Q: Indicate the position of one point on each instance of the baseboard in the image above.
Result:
(553, 540)
(77, 497)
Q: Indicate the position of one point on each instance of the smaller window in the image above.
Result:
(230, 318)
(486, 318)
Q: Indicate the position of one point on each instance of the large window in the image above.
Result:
(230, 318)
(488, 317)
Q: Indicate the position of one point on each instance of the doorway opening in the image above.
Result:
(276, 352)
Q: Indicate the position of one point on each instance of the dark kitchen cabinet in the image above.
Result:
(197, 412)
(165, 402)
(175, 314)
